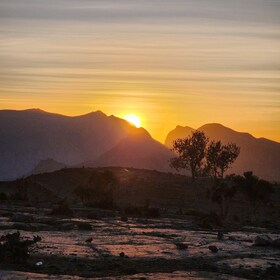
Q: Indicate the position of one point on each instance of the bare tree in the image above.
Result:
(220, 157)
(190, 153)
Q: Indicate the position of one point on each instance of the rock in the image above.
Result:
(89, 240)
(7, 214)
(272, 271)
(22, 226)
(84, 226)
(67, 226)
(22, 218)
(45, 220)
(40, 227)
(213, 248)
(276, 243)
(123, 255)
(124, 218)
(181, 246)
(62, 210)
(231, 238)
(5, 226)
(39, 263)
(167, 253)
(263, 240)
(220, 235)
(206, 225)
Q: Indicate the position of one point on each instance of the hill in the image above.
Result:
(135, 187)
(47, 166)
(261, 156)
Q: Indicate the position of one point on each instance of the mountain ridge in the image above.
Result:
(260, 155)
(28, 137)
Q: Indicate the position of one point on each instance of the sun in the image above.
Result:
(133, 119)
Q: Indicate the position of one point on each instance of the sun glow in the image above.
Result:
(133, 119)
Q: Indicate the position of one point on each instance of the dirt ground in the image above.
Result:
(170, 247)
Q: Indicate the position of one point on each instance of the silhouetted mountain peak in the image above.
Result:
(180, 127)
(139, 133)
(34, 110)
(96, 113)
(92, 115)
(214, 126)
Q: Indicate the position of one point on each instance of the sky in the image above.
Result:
(170, 62)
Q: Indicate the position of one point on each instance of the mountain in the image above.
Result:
(47, 166)
(30, 136)
(178, 132)
(138, 150)
(260, 155)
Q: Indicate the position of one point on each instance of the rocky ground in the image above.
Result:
(102, 245)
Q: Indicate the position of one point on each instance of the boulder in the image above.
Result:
(181, 246)
(124, 218)
(232, 238)
(276, 243)
(263, 240)
(123, 255)
(213, 249)
(67, 226)
(220, 235)
(21, 218)
(84, 226)
(22, 226)
(40, 227)
(45, 220)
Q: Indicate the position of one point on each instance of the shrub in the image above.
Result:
(15, 250)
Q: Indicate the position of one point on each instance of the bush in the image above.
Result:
(15, 250)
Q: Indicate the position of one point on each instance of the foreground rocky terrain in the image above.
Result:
(103, 244)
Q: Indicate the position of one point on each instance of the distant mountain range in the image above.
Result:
(28, 138)
(33, 142)
(262, 156)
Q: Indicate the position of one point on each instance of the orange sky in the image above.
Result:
(177, 63)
